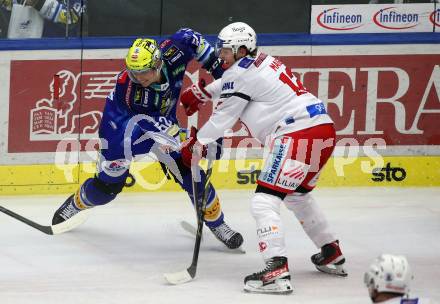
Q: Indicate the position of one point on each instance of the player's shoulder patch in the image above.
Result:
(171, 53)
(316, 109)
(260, 59)
(245, 62)
(123, 77)
(164, 43)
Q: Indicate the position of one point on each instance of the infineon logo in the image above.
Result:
(388, 18)
(331, 19)
(435, 17)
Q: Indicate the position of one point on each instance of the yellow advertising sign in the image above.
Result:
(403, 171)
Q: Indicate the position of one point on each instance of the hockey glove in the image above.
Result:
(193, 96)
(191, 150)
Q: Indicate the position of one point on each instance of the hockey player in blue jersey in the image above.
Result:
(140, 117)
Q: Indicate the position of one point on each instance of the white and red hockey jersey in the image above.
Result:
(268, 99)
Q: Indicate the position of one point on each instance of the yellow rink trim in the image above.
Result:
(227, 174)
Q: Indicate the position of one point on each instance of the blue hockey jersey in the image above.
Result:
(159, 101)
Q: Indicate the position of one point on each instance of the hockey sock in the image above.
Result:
(265, 209)
(213, 212)
(311, 217)
(91, 195)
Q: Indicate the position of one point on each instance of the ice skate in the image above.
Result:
(330, 260)
(232, 239)
(274, 279)
(67, 210)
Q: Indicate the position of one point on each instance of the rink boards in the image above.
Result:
(419, 171)
(384, 99)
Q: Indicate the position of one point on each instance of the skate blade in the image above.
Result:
(280, 286)
(238, 250)
(337, 270)
(71, 223)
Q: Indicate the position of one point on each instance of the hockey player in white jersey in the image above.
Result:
(293, 124)
(388, 280)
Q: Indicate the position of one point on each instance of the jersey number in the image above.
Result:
(163, 124)
(288, 79)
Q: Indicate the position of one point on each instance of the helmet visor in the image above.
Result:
(154, 67)
(144, 70)
(367, 279)
(219, 44)
(133, 73)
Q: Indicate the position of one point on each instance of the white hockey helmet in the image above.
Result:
(235, 35)
(389, 273)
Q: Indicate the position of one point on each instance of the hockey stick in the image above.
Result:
(191, 229)
(70, 224)
(188, 274)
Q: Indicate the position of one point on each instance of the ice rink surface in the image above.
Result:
(120, 254)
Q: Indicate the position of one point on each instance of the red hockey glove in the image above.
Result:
(191, 150)
(193, 96)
